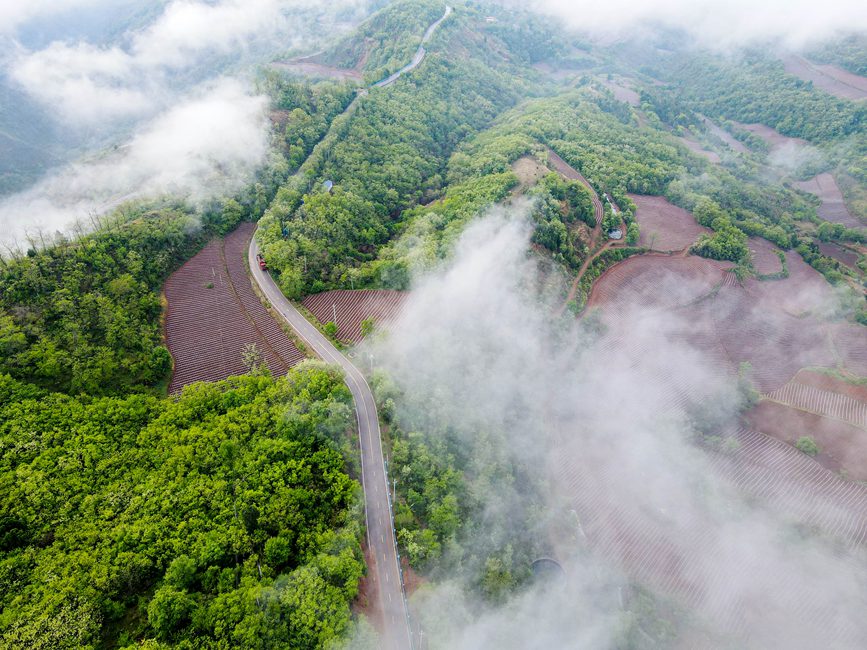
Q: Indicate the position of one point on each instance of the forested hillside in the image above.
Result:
(391, 155)
(132, 518)
(386, 41)
(128, 518)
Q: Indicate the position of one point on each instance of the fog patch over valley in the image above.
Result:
(716, 24)
(605, 424)
(208, 145)
(168, 107)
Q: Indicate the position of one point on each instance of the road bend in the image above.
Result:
(419, 54)
(381, 540)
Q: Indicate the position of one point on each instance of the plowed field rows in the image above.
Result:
(842, 446)
(352, 307)
(822, 402)
(657, 281)
(850, 342)
(831, 79)
(764, 256)
(833, 207)
(670, 550)
(776, 343)
(664, 226)
(213, 314)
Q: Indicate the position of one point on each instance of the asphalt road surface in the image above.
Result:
(419, 54)
(380, 533)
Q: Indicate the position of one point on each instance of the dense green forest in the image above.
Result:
(222, 519)
(392, 155)
(447, 476)
(760, 91)
(386, 41)
(226, 517)
(850, 53)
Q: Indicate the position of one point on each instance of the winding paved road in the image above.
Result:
(419, 54)
(381, 541)
(380, 534)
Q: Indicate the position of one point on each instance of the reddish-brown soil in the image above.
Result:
(803, 291)
(658, 545)
(622, 92)
(826, 382)
(529, 171)
(822, 401)
(367, 601)
(763, 323)
(664, 226)
(411, 580)
(733, 143)
(658, 281)
(213, 313)
(697, 147)
(843, 255)
(850, 342)
(833, 207)
(841, 445)
(309, 69)
(831, 79)
(764, 256)
(352, 307)
(774, 139)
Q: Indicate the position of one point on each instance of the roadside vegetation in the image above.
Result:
(224, 517)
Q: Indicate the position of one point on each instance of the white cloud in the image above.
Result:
(14, 13)
(187, 28)
(88, 84)
(718, 23)
(84, 83)
(207, 145)
(604, 428)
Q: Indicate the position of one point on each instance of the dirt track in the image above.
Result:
(213, 314)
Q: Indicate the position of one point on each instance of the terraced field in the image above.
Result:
(664, 226)
(213, 314)
(669, 548)
(765, 256)
(821, 402)
(348, 308)
(833, 207)
(831, 79)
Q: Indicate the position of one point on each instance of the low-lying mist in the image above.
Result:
(163, 107)
(715, 24)
(609, 425)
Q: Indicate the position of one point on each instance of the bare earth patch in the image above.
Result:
(697, 147)
(841, 445)
(213, 313)
(622, 92)
(774, 139)
(833, 207)
(352, 307)
(664, 226)
(764, 256)
(843, 255)
(529, 171)
(831, 79)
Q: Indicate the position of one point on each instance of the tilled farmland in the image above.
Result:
(664, 226)
(213, 313)
(833, 207)
(668, 548)
(347, 309)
